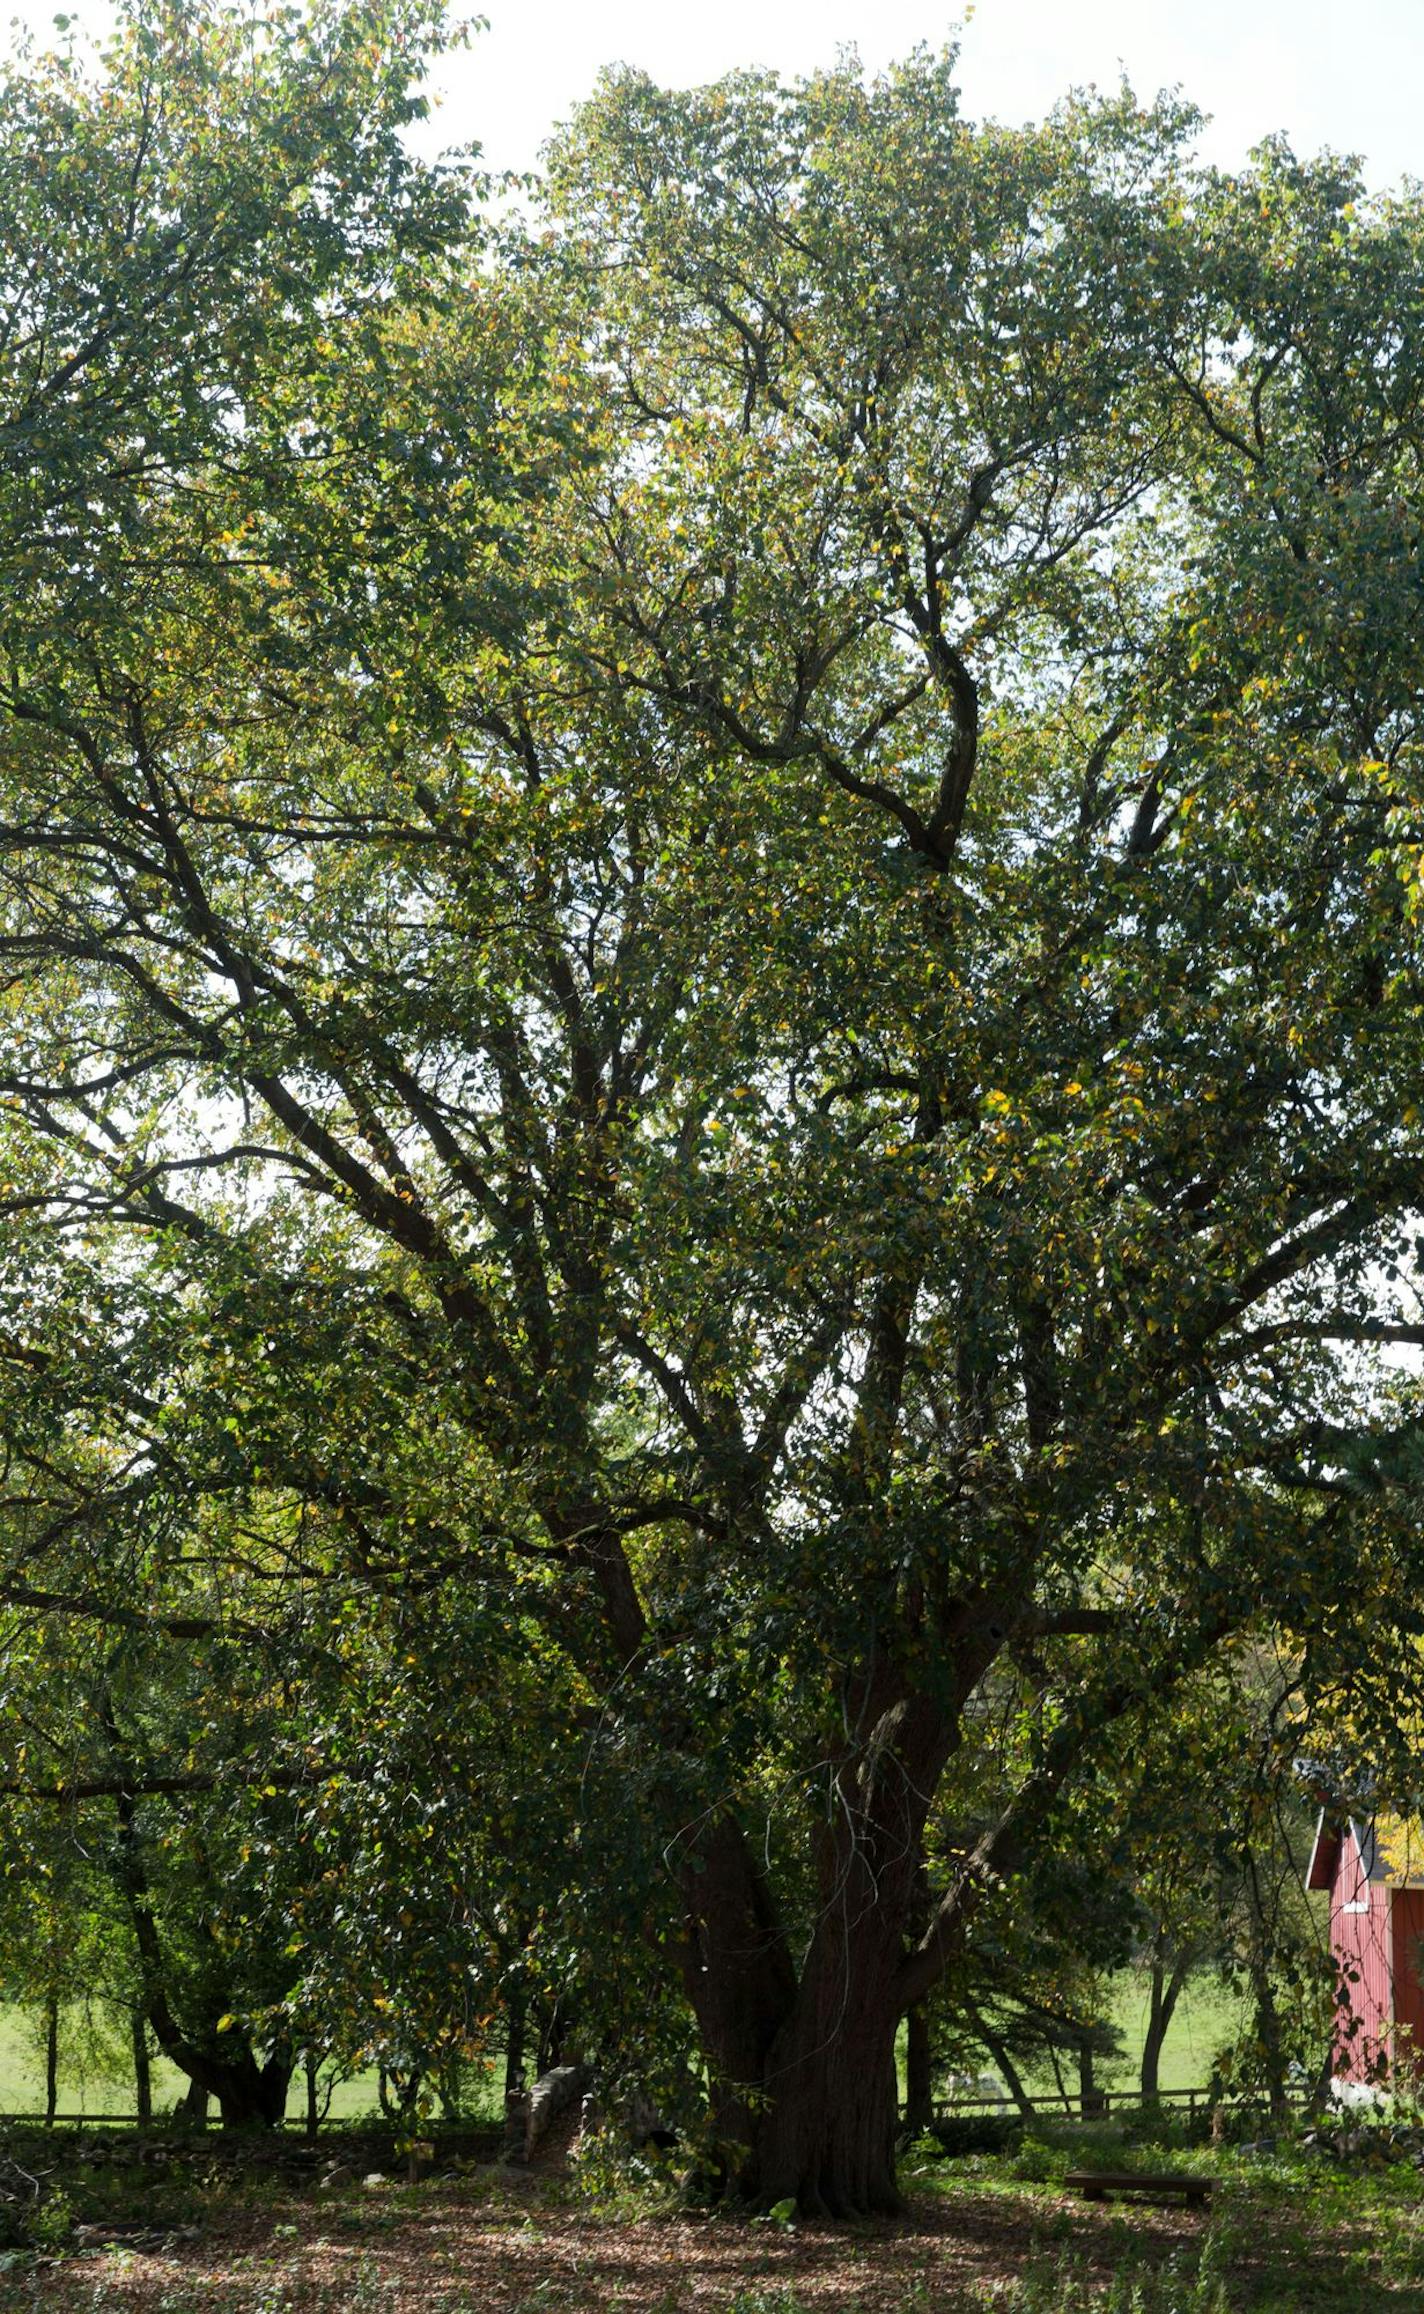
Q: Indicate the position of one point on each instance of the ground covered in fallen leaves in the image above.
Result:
(1281, 2237)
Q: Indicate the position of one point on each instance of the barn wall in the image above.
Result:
(1407, 1930)
(1363, 1950)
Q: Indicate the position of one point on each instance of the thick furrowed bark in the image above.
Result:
(803, 2087)
(736, 1968)
(826, 2133)
(826, 2138)
(805, 2067)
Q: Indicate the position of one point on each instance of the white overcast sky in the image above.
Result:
(1347, 73)
(1344, 73)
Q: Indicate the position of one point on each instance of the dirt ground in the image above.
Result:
(459, 2245)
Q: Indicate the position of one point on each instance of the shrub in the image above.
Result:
(53, 2222)
(1037, 2163)
(961, 2133)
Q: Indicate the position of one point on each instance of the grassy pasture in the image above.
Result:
(96, 2082)
(1206, 2018)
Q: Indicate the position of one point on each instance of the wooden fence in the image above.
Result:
(376, 2125)
(1103, 2106)
(1098, 2107)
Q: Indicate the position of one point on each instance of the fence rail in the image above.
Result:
(1100, 2105)
(370, 2124)
(1067, 2104)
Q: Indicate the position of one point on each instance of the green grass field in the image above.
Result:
(96, 2083)
(1205, 2019)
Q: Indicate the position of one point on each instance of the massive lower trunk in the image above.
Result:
(803, 2061)
(818, 2129)
(825, 2138)
(815, 2123)
(251, 2092)
(803, 2070)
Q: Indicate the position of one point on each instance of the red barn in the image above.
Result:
(1375, 1875)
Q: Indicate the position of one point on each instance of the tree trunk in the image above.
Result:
(919, 2073)
(399, 2092)
(143, 2072)
(803, 2066)
(1167, 1988)
(250, 2095)
(1013, 2079)
(1268, 2036)
(557, 2039)
(804, 2102)
(51, 2060)
(449, 2087)
(513, 2046)
(1268, 2021)
(1091, 2101)
(1063, 2097)
(804, 2092)
(826, 2138)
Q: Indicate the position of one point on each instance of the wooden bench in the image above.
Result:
(1096, 2185)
